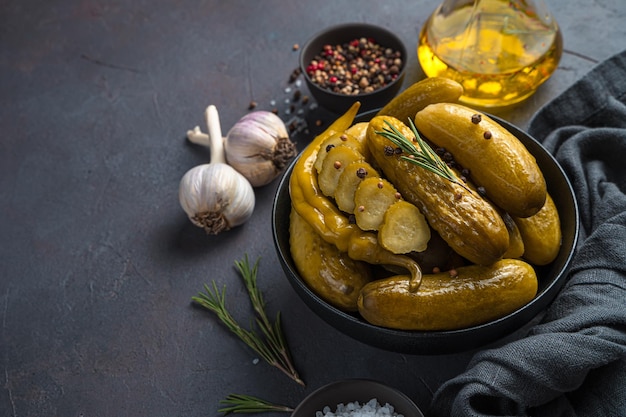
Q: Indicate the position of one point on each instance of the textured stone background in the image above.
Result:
(97, 260)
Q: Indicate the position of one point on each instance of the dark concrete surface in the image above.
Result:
(97, 260)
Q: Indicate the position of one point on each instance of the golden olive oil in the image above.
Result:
(500, 51)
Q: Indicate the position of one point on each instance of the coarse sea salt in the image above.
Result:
(372, 408)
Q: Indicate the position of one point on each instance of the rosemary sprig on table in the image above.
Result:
(271, 344)
(240, 403)
(424, 156)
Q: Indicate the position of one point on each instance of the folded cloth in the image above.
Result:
(573, 362)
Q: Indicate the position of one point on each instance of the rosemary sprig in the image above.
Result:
(241, 403)
(271, 344)
(424, 156)
(273, 333)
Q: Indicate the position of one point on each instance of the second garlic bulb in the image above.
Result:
(258, 146)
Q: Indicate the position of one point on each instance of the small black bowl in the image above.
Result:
(340, 34)
(353, 390)
(551, 277)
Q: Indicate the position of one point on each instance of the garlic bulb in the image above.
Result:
(258, 146)
(215, 196)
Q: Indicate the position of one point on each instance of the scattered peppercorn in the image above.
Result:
(453, 273)
(318, 122)
(294, 75)
(487, 135)
(380, 185)
(295, 47)
(252, 105)
(337, 164)
(481, 190)
(361, 172)
(388, 150)
(329, 147)
(476, 118)
(357, 67)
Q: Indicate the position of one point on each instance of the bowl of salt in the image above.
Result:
(357, 398)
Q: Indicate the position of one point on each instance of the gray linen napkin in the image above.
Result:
(573, 362)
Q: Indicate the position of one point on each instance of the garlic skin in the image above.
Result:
(258, 146)
(215, 196)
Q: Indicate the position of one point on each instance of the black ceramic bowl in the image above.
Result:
(353, 390)
(337, 35)
(551, 277)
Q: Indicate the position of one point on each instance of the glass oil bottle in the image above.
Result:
(500, 51)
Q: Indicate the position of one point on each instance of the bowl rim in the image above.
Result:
(357, 26)
(488, 332)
